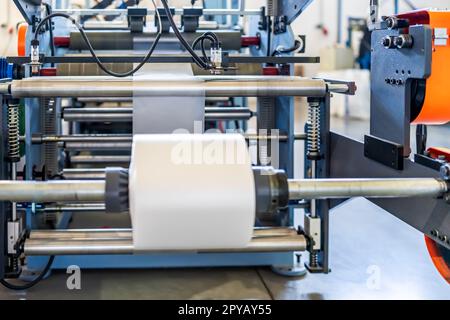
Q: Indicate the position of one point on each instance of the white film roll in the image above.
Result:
(191, 192)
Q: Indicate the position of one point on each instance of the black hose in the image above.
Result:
(30, 284)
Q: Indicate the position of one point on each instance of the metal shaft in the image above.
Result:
(151, 12)
(84, 174)
(74, 207)
(112, 141)
(92, 191)
(126, 114)
(52, 191)
(99, 160)
(369, 188)
(89, 242)
(107, 87)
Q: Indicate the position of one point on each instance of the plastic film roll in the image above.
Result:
(191, 192)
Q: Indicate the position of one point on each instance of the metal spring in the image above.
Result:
(48, 121)
(15, 264)
(313, 128)
(13, 132)
(314, 259)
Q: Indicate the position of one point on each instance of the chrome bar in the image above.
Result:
(368, 188)
(129, 87)
(151, 12)
(109, 140)
(84, 160)
(74, 207)
(126, 114)
(94, 242)
(84, 174)
(338, 87)
(52, 191)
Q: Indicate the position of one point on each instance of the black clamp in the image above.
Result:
(116, 190)
(263, 20)
(190, 19)
(280, 25)
(445, 175)
(165, 24)
(137, 19)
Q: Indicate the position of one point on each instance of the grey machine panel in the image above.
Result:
(390, 115)
(290, 9)
(28, 8)
(424, 214)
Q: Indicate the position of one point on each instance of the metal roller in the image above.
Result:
(90, 242)
(52, 191)
(84, 174)
(100, 160)
(107, 87)
(151, 12)
(126, 114)
(77, 190)
(126, 40)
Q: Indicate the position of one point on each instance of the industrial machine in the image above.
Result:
(73, 117)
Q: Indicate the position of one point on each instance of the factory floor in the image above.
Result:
(373, 256)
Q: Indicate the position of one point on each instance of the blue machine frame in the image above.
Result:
(284, 122)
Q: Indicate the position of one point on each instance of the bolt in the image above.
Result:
(443, 238)
(445, 172)
(434, 233)
(447, 198)
(387, 42)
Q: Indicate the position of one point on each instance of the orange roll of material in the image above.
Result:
(436, 107)
(437, 258)
(22, 39)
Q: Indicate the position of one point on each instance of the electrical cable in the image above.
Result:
(269, 35)
(199, 61)
(281, 50)
(91, 49)
(201, 40)
(31, 283)
(48, 8)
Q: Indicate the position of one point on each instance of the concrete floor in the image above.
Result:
(373, 256)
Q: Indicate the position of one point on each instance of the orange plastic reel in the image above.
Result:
(22, 39)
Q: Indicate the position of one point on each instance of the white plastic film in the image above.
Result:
(165, 113)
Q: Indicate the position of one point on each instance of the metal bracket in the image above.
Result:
(164, 19)
(280, 25)
(384, 152)
(440, 37)
(290, 9)
(136, 19)
(14, 233)
(190, 19)
(313, 231)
